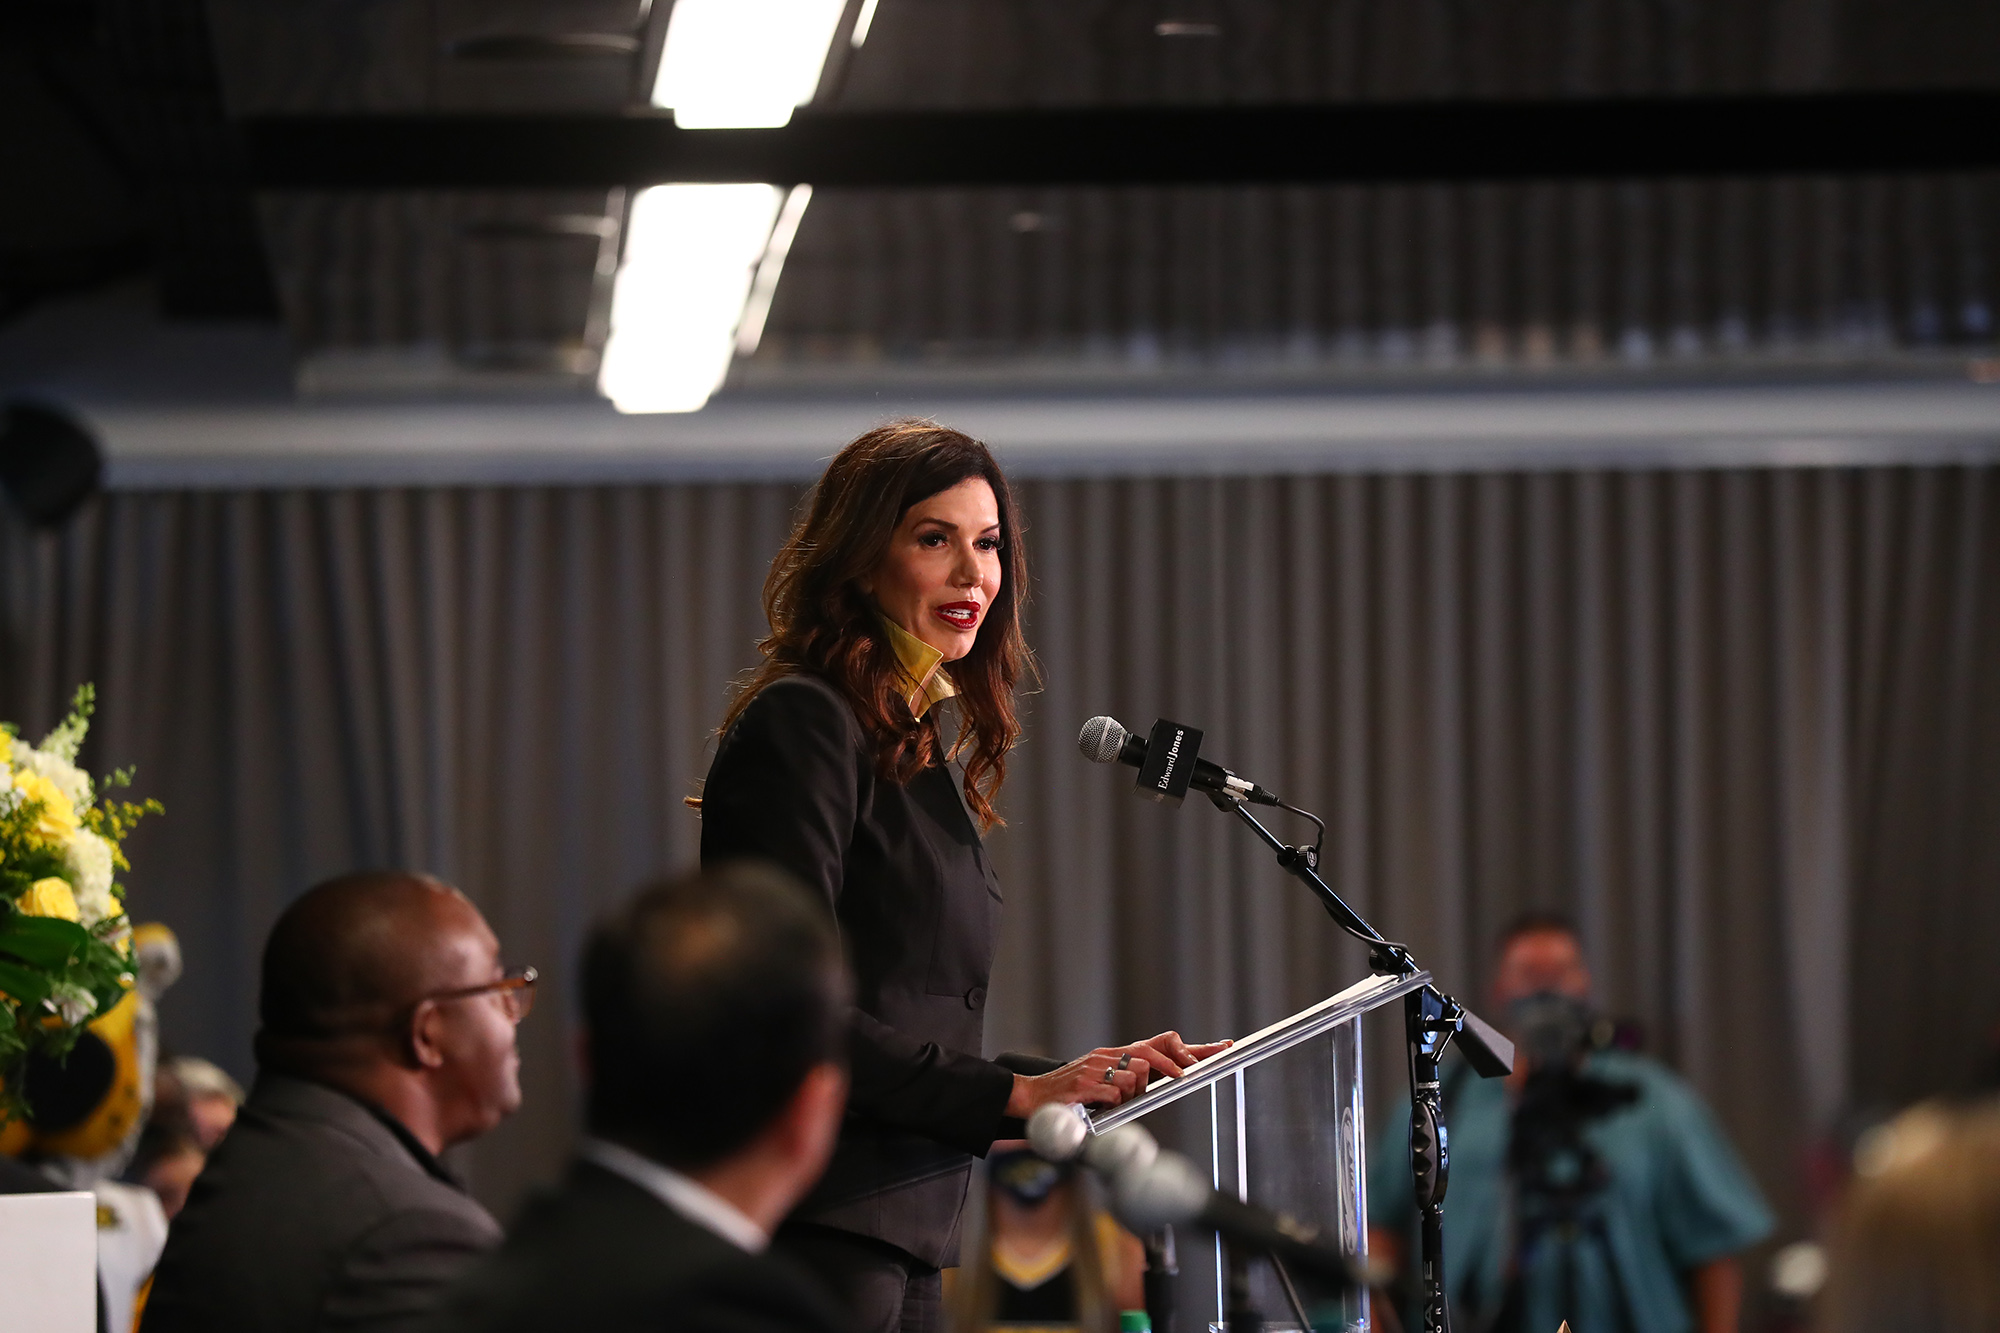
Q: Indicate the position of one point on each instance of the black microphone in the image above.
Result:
(1170, 1190)
(1168, 764)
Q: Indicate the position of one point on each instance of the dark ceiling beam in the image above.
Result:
(1845, 133)
(210, 252)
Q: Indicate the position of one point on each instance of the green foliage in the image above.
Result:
(43, 941)
(113, 820)
(43, 959)
(27, 860)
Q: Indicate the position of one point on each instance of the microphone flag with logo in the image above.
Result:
(1171, 752)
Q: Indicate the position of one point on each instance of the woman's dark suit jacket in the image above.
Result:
(908, 881)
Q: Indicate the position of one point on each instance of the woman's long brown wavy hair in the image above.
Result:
(822, 622)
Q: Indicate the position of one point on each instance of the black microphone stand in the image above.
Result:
(1431, 1019)
(1163, 1269)
(1242, 1315)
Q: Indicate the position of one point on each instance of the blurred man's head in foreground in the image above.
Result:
(1918, 1245)
(715, 1008)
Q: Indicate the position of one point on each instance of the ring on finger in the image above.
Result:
(1125, 1060)
(1109, 1073)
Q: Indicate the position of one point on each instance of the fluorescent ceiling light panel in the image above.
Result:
(740, 64)
(862, 23)
(750, 332)
(690, 253)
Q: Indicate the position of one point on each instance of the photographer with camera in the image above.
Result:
(1591, 1186)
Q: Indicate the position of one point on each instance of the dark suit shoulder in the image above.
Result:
(292, 1131)
(802, 701)
(788, 784)
(754, 1294)
(604, 1254)
(310, 1208)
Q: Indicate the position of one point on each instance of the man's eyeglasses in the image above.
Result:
(516, 989)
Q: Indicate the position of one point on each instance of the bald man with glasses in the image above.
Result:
(388, 1025)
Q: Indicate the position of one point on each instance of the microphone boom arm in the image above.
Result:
(1490, 1053)
(1431, 1019)
(1384, 955)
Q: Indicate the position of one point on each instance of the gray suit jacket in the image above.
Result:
(314, 1214)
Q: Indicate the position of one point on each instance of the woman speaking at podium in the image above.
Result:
(900, 589)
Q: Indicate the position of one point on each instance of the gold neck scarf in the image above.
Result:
(924, 679)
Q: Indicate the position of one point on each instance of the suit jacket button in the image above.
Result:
(976, 997)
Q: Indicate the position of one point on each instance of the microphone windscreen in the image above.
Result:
(1101, 739)
(1127, 1148)
(1057, 1132)
(1171, 1191)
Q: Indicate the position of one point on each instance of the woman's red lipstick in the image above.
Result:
(959, 615)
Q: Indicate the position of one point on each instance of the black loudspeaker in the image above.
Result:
(49, 464)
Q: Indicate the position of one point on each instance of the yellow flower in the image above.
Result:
(49, 897)
(57, 822)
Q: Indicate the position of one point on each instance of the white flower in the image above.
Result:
(119, 937)
(70, 780)
(92, 908)
(72, 1001)
(89, 859)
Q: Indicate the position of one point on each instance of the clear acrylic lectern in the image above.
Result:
(1287, 1130)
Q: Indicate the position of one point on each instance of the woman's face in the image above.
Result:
(942, 569)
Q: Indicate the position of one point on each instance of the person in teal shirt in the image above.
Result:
(1623, 1207)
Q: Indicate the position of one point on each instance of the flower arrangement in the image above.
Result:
(65, 941)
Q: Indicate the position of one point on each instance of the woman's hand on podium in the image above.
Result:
(1108, 1075)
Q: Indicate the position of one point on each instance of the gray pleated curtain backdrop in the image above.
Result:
(1743, 724)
